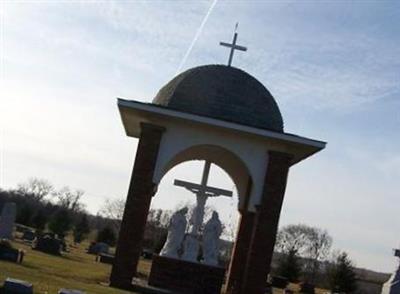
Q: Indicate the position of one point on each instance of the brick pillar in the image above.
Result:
(266, 224)
(141, 190)
(239, 253)
(241, 246)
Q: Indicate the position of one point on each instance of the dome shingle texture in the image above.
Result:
(222, 92)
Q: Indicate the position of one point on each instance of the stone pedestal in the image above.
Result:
(185, 277)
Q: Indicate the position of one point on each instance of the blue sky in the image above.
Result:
(333, 68)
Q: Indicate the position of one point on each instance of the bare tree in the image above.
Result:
(159, 218)
(311, 243)
(113, 209)
(68, 199)
(35, 188)
(318, 249)
(293, 238)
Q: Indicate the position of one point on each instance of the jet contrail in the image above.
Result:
(199, 30)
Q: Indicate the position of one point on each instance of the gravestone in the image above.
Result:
(28, 236)
(7, 220)
(307, 288)
(14, 286)
(105, 258)
(8, 253)
(47, 243)
(98, 248)
(278, 282)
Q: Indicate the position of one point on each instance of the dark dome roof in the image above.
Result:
(222, 92)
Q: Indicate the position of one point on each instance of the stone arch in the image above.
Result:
(231, 163)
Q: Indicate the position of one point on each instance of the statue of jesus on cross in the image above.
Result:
(202, 192)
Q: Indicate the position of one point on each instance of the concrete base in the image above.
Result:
(185, 277)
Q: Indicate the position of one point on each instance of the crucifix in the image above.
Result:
(233, 46)
(202, 192)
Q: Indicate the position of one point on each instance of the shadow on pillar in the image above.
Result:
(141, 190)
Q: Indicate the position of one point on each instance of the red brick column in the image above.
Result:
(141, 190)
(241, 247)
(239, 253)
(266, 224)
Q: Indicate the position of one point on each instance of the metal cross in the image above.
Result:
(233, 46)
(202, 192)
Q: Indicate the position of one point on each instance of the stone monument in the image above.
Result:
(212, 232)
(183, 272)
(222, 115)
(393, 285)
(7, 220)
(176, 233)
(191, 244)
(17, 286)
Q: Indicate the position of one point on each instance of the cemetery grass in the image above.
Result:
(74, 270)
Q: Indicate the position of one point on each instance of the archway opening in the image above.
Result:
(170, 197)
(227, 160)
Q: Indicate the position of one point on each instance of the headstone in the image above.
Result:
(7, 220)
(17, 287)
(8, 253)
(393, 285)
(70, 291)
(307, 288)
(47, 243)
(278, 282)
(98, 248)
(28, 236)
(106, 258)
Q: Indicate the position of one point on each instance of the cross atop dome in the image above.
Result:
(233, 46)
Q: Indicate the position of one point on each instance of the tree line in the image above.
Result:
(45, 208)
(304, 252)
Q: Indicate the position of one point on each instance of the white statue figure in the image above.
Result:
(393, 285)
(191, 248)
(176, 233)
(212, 232)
